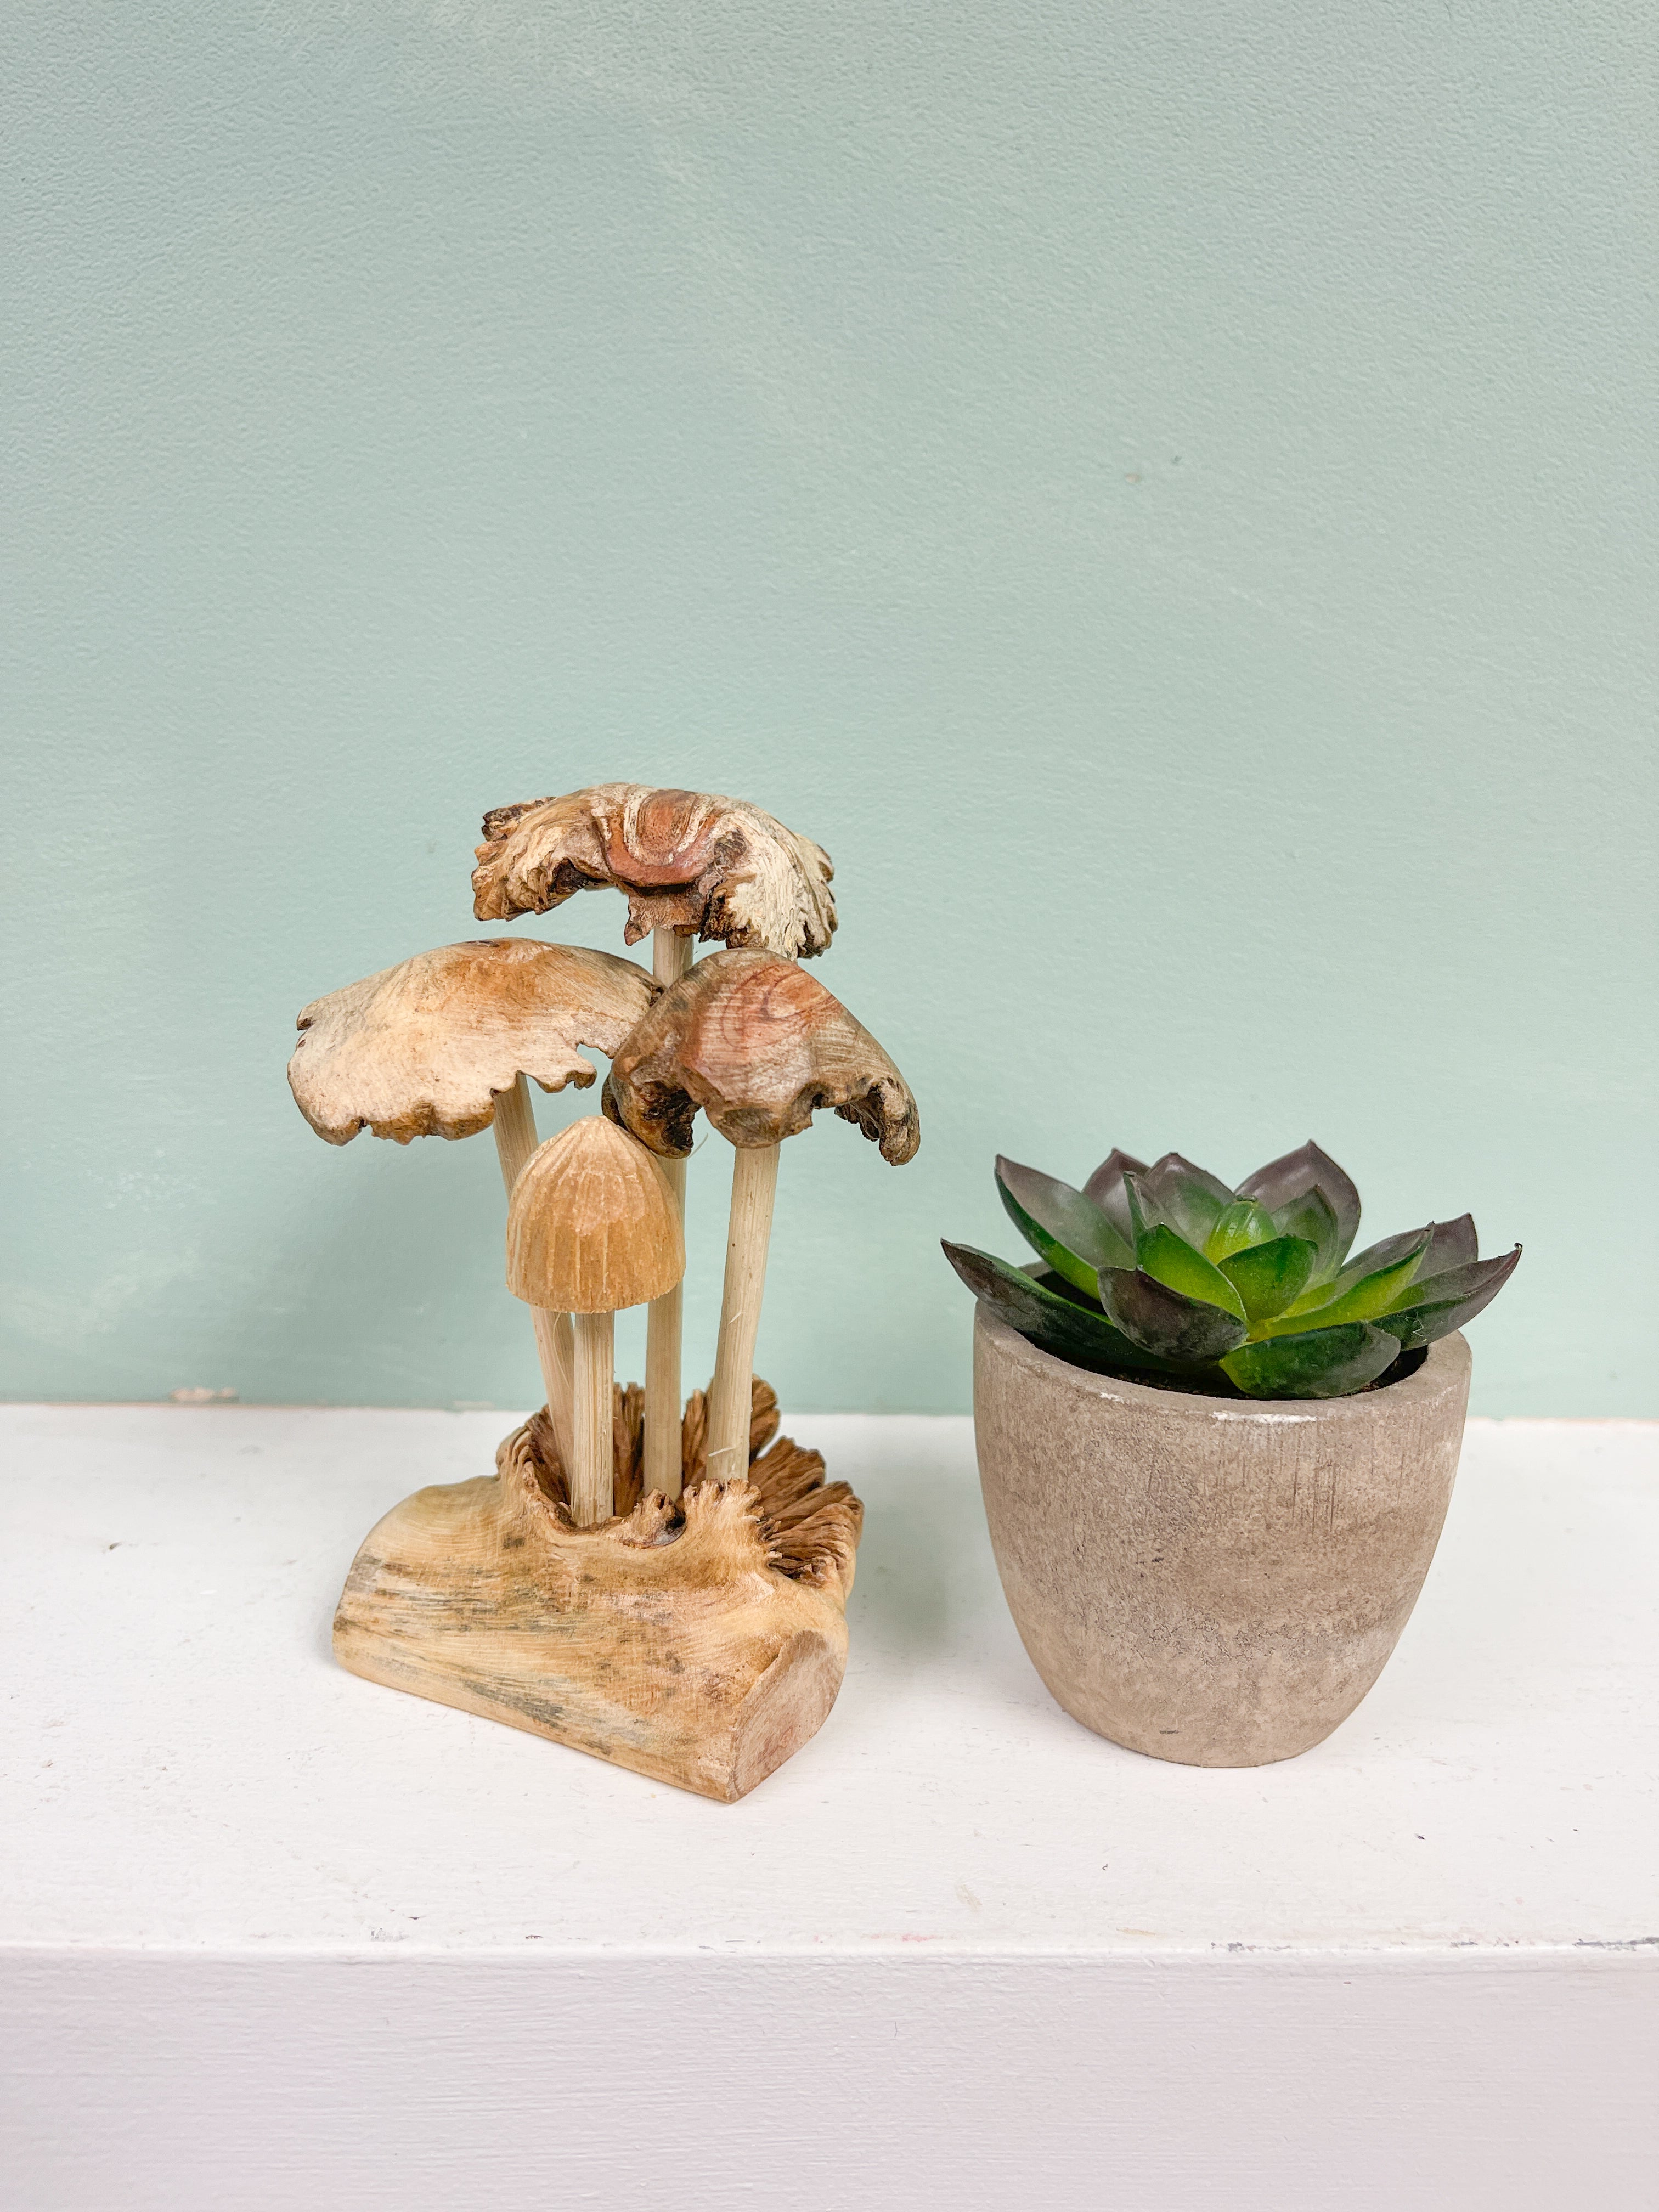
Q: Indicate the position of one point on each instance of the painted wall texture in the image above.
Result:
(1165, 491)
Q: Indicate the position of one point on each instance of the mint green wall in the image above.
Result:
(1164, 491)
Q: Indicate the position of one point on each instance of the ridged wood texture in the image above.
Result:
(1205, 1579)
(421, 1050)
(593, 1226)
(700, 1644)
(759, 1046)
(754, 1186)
(686, 860)
(514, 1125)
(670, 956)
(592, 1482)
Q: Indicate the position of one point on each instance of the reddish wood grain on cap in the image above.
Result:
(760, 1046)
(691, 861)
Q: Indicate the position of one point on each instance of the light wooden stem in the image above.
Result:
(754, 1183)
(515, 1140)
(591, 1466)
(670, 956)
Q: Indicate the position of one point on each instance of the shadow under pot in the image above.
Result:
(1216, 1580)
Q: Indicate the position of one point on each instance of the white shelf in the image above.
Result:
(262, 1922)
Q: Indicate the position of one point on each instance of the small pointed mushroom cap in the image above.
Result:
(687, 860)
(418, 1050)
(593, 1226)
(760, 1045)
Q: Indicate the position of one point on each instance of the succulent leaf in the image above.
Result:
(1434, 1307)
(1190, 1200)
(1170, 1260)
(1268, 1276)
(1047, 1278)
(1362, 1298)
(1295, 1173)
(1059, 1223)
(1145, 1214)
(1105, 1188)
(1322, 1363)
(1187, 1331)
(1310, 1214)
(1383, 1254)
(1454, 1246)
(1070, 1330)
(1246, 1222)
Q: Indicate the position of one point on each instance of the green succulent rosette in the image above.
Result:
(1166, 1270)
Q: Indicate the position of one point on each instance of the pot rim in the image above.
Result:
(1446, 1368)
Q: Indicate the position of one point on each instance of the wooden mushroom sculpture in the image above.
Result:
(592, 1228)
(692, 865)
(441, 1044)
(665, 1590)
(759, 1045)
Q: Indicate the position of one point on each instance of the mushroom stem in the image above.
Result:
(515, 1139)
(670, 956)
(754, 1183)
(592, 1464)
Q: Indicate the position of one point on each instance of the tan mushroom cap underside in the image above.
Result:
(593, 1226)
(687, 860)
(418, 1050)
(760, 1046)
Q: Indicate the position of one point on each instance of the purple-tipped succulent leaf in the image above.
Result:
(1324, 1363)
(1454, 1245)
(1190, 1200)
(1071, 1330)
(1433, 1308)
(1061, 1226)
(1293, 1174)
(1184, 1330)
(1105, 1188)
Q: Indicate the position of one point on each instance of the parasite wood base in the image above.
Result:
(700, 1641)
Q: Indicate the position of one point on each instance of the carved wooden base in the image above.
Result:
(701, 1642)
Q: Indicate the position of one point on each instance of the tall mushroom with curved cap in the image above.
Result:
(592, 1228)
(692, 865)
(759, 1045)
(441, 1045)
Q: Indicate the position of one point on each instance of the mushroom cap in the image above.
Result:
(592, 1226)
(418, 1050)
(687, 860)
(760, 1045)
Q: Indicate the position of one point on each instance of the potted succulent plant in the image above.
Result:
(1216, 1451)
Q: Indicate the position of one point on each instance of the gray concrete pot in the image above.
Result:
(1209, 1580)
